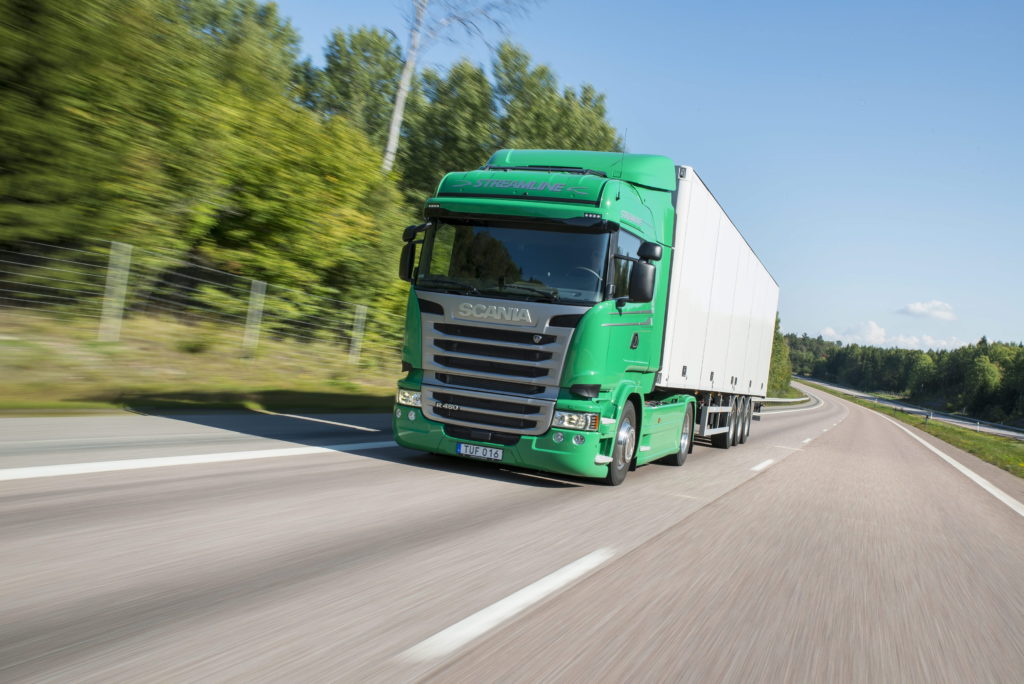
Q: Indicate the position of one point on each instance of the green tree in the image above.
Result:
(451, 130)
(982, 381)
(922, 373)
(360, 78)
(534, 114)
(109, 124)
(780, 370)
(255, 48)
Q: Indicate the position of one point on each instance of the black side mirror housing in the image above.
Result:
(641, 282)
(407, 262)
(410, 232)
(649, 251)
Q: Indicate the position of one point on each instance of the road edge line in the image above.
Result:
(56, 470)
(1016, 506)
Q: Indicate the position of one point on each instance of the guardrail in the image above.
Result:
(964, 421)
(929, 414)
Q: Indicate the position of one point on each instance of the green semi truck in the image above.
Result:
(580, 313)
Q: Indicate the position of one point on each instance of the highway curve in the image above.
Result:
(834, 546)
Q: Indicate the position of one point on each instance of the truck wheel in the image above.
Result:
(725, 439)
(741, 422)
(745, 423)
(625, 446)
(685, 440)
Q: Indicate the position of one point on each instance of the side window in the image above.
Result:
(438, 262)
(626, 248)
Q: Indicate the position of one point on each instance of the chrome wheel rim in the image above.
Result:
(626, 441)
(684, 439)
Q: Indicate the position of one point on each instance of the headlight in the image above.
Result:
(576, 421)
(408, 398)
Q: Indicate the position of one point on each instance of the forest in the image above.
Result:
(983, 380)
(193, 129)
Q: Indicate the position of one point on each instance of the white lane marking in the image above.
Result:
(319, 420)
(779, 446)
(461, 633)
(782, 412)
(1015, 505)
(825, 430)
(762, 465)
(163, 461)
(807, 440)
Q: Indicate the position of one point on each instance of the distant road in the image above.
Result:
(960, 421)
(834, 546)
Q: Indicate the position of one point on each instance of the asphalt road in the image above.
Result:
(832, 547)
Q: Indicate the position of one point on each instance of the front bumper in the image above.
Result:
(414, 431)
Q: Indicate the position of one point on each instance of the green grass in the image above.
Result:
(790, 393)
(49, 365)
(1003, 452)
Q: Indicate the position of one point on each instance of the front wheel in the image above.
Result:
(685, 440)
(625, 446)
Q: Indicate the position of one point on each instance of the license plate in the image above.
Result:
(477, 451)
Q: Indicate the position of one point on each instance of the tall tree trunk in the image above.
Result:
(408, 69)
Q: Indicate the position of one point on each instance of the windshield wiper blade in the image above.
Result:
(449, 285)
(543, 295)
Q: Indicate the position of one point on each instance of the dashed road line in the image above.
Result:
(477, 624)
(762, 465)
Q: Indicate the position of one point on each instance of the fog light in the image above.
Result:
(557, 437)
(412, 415)
(578, 439)
(398, 413)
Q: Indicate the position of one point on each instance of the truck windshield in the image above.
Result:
(522, 263)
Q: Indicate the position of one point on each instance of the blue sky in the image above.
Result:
(871, 152)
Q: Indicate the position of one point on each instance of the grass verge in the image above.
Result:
(50, 366)
(1003, 452)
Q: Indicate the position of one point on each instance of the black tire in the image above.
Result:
(727, 438)
(685, 440)
(744, 427)
(625, 447)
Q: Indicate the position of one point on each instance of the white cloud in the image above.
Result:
(933, 309)
(873, 334)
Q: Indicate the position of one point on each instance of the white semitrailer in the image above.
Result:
(721, 311)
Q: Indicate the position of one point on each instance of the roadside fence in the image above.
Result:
(112, 282)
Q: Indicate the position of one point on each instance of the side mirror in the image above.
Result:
(407, 262)
(410, 232)
(649, 251)
(641, 282)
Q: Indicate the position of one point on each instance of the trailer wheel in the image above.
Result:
(625, 446)
(747, 416)
(685, 440)
(737, 424)
(725, 439)
(742, 429)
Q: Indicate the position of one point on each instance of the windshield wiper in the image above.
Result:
(518, 288)
(448, 285)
